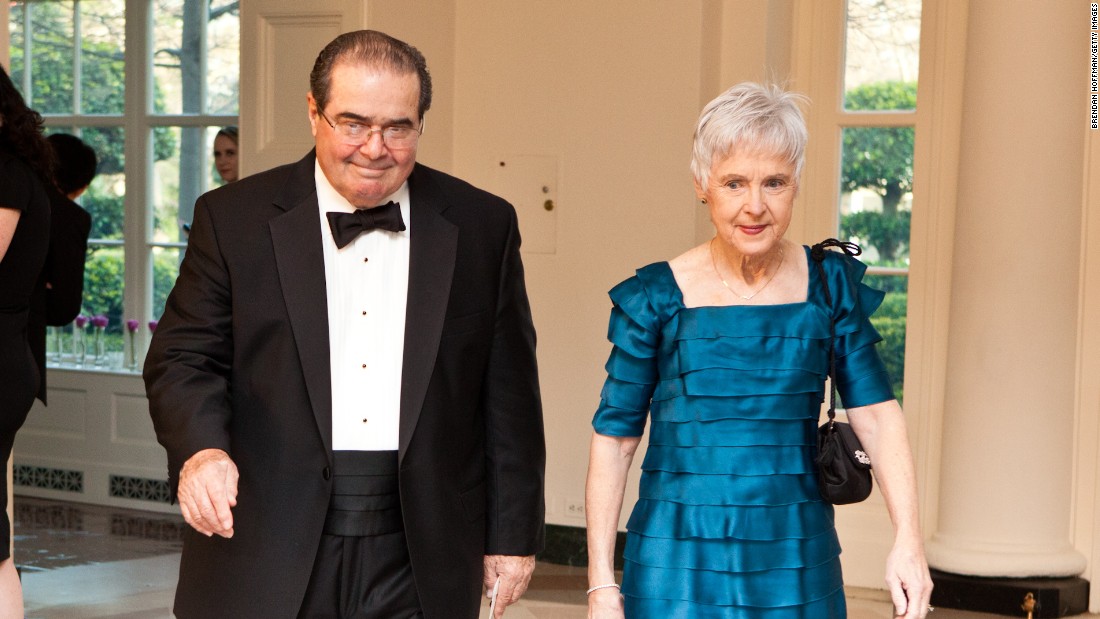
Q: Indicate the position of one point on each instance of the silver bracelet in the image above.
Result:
(589, 592)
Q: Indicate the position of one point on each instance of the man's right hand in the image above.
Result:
(207, 491)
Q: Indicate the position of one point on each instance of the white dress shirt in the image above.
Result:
(367, 285)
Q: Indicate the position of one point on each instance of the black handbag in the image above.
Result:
(843, 467)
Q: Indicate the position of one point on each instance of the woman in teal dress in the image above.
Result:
(724, 350)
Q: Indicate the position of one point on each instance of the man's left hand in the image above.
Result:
(514, 573)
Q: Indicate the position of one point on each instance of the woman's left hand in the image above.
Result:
(909, 581)
(881, 429)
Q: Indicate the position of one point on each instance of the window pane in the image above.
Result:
(104, 277)
(50, 56)
(104, 198)
(166, 262)
(177, 57)
(223, 63)
(196, 57)
(882, 53)
(18, 38)
(54, 61)
(102, 46)
(68, 57)
(180, 176)
(889, 321)
(875, 206)
(876, 185)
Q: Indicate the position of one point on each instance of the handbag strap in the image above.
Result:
(817, 252)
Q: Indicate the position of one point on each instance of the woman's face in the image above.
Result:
(225, 158)
(751, 199)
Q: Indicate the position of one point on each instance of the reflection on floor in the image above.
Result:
(82, 561)
(54, 534)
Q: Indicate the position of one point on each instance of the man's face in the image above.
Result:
(365, 173)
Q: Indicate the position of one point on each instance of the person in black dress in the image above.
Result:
(26, 163)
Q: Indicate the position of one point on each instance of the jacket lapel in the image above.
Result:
(300, 260)
(432, 246)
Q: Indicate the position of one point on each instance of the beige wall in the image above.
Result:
(607, 93)
(432, 26)
(1086, 533)
(613, 107)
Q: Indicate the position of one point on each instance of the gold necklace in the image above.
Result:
(714, 264)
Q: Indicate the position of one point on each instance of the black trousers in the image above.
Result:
(362, 569)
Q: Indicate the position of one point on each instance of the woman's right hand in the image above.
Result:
(605, 604)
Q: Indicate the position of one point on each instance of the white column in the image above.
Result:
(1005, 493)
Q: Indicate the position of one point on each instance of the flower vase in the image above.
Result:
(132, 365)
(53, 344)
(132, 327)
(80, 348)
(100, 347)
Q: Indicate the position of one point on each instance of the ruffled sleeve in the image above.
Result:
(634, 331)
(861, 376)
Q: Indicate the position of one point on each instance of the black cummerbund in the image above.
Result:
(365, 499)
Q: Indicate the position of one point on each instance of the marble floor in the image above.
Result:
(82, 561)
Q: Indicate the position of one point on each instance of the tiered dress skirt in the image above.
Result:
(729, 523)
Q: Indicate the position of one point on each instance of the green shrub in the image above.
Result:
(889, 321)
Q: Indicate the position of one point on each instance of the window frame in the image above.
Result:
(817, 69)
(138, 120)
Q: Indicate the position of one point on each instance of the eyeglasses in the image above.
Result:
(355, 133)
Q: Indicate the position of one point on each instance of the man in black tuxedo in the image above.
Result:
(60, 291)
(344, 377)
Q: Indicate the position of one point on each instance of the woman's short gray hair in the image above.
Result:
(750, 116)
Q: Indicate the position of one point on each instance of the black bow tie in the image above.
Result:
(347, 226)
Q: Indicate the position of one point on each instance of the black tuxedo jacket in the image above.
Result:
(59, 304)
(240, 362)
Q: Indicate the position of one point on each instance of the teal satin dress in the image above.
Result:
(729, 523)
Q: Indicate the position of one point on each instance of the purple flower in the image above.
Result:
(132, 325)
(153, 325)
(81, 321)
(100, 321)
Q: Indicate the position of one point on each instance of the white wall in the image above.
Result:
(608, 92)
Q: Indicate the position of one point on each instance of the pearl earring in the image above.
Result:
(704, 200)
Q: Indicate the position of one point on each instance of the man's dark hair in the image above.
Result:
(374, 49)
(76, 162)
